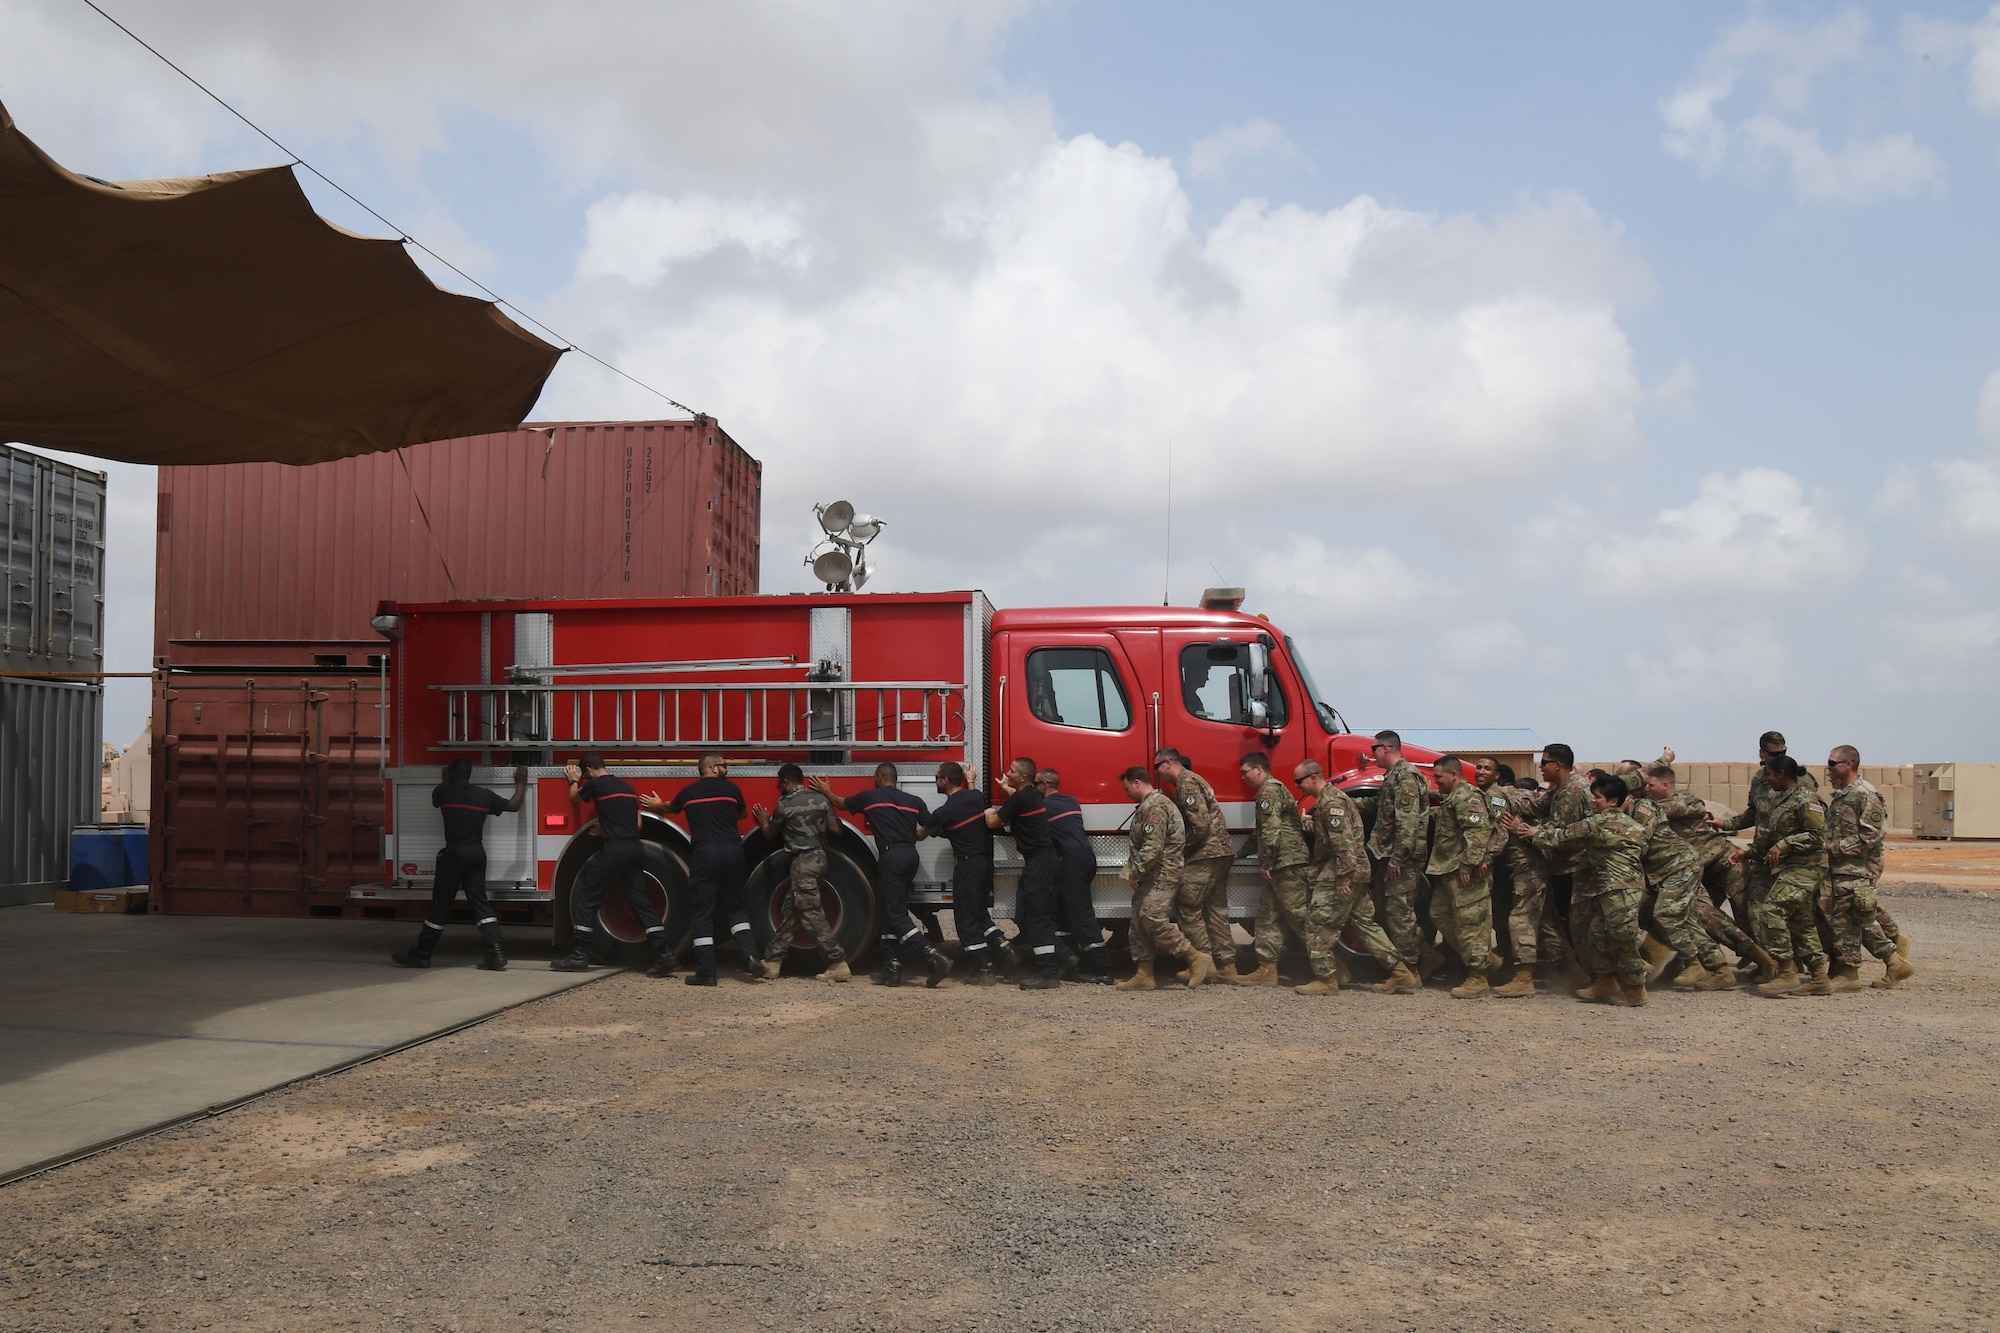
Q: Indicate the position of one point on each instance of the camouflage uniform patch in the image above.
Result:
(1783, 917)
(1673, 873)
(803, 817)
(1856, 816)
(1460, 870)
(1286, 901)
(1337, 878)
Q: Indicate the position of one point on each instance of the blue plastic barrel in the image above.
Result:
(138, 854)
(97, 858)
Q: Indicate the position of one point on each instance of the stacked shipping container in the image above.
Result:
(270, 712)
(51, 649)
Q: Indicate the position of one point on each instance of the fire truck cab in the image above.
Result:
(837, 683)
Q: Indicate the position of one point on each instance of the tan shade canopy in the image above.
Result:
(218, 319)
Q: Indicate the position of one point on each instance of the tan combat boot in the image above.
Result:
(838, 972)
(1820, 983)
(1472, 987)
(1141, 978)
(1691, 976)
(1200, 968)
(1401, 981)
(1429, 960)
(1658, 957)
(1713, 978)
(772, 967)
(1574, 977)
(1846, 979)
(1522, 984)
(1227, 974)
(1328, 985)
(1784, 983)
(1900, 970)
(1767, 966)
(1265, 975)
(1629, 997)
(1599, 990)
(1340, 972)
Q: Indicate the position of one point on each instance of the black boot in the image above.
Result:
(940, 966)
(1066, 959)
(1042, 978)
(1002, 950)
(746, 945)
(891, 971)
(495, 959)
(704, 966)
(411, 958)
(983, 971)
(576, 960)
(662, 962)
(1097, 966)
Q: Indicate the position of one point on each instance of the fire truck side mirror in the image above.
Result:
(1260, 680)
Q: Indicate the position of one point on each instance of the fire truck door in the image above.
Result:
(1073, 704)
(1225, 699)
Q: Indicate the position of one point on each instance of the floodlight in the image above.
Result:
(832, 567)
(866, 527)
(860, 575)
(836, 516)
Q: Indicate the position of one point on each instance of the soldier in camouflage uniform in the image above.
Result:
(1757, 816)
(1689, 816)
(1461, 874)
(1204, 904)
(1338, 881)
(1527, 870)
(1791, 847)
(1282, 856)
(1856, 816)
(1610, 884)
(1153, 869)
(1673, 874)
(803, 818)
(1400, 841)
(1564, 801)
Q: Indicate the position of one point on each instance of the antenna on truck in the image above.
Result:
(1167, 579)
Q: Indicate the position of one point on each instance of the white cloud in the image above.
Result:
(1753, 533)
(1364, 590)
(1211, 155)
(1970, 501)
(1989, 408)
(640, 236)
(1703, 662)
(1978, 42)
(1782, 63)
(1955, 637)
(1676, 391)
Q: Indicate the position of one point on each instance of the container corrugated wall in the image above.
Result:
(267, 791)
(51, 740)
(259, 560)
(52, 561)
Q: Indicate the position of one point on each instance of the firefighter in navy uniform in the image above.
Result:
(620, 863)
(1081, 952)
(714, 809)
(961, 818)
(1025, 816)
(896, 818)
(461, 863)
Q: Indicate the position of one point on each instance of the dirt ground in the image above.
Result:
(638, 1154)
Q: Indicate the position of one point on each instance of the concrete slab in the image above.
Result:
(114, 1025)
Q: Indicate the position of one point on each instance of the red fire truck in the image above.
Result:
(836, 683)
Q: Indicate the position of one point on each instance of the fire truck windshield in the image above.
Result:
(1328, 716)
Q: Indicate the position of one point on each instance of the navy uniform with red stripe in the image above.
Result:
(1024, 815)
(961, 818)
(461, 863)
(1077, 928)
(714, 808)
(895, 817)
(620, 863)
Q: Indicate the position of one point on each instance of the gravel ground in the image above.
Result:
(640, 1153)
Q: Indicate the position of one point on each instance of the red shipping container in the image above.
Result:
(268, 718)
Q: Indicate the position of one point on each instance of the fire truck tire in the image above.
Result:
(620, 937)
(849, 901)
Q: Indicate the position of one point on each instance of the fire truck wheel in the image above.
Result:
(848, 899)
(620, 937)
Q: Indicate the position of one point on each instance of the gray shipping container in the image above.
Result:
(52, 560)
(51, 753)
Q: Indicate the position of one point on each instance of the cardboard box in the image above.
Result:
(102, 900)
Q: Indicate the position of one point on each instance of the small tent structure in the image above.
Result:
(219, 319)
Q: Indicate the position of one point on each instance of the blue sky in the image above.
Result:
(1609, 371)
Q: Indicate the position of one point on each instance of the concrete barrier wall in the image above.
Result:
(1729, 784)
